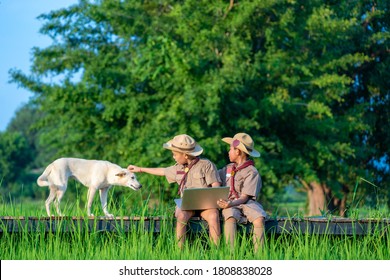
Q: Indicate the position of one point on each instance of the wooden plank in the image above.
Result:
(334, 226)
(281, 225)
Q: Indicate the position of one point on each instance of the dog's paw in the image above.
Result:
(110, 216)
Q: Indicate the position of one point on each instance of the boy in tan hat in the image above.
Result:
(189, 171)
(245, 184)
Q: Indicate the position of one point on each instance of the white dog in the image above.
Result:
(94, 174)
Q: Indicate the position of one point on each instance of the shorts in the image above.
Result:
(244, 213)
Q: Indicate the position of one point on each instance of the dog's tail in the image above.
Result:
(42, 180)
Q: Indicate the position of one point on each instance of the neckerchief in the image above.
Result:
(233, 173)
(186, 170)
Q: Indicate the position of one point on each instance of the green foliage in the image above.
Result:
(308, 80)
(14, 155)
(23, 123)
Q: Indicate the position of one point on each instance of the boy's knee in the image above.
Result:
(214, 215)
(259, 222)
(182, 216)
(211, 214)
(231, 220)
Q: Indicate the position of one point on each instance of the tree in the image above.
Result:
(14, 156)
(302, 77)
(23, 124)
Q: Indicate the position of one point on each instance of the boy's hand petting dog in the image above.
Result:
(134, 168)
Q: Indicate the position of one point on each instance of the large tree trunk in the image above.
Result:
(315, 198)
(322, 201)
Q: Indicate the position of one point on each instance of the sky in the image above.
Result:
(19, 33)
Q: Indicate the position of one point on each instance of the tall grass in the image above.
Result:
(141, 245)
(138, 244)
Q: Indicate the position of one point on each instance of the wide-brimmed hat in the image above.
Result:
(243, 142)
(184, 144)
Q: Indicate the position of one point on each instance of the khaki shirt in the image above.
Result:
(246, 181)
(201, 175)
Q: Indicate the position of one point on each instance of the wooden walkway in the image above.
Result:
(334, 226)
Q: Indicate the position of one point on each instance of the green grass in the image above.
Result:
(141, 245)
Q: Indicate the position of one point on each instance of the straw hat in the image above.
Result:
(243, 142)
(184, 144)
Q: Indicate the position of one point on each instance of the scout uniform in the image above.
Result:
(190, 171)
(195, 173)
(201, 175)
(246, 181)
(243, 179)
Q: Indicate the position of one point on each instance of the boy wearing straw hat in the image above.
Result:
(245, 184)
(189, 171)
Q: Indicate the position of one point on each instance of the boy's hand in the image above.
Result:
(222, 203)
(134, 168)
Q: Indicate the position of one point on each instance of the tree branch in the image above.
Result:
(229, 8)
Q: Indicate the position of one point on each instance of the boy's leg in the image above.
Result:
(182, 218)
(230, 230)
(258, 233)
(212, 218)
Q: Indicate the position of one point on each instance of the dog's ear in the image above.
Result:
(121, 174)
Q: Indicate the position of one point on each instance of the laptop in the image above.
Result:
(201, 198)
